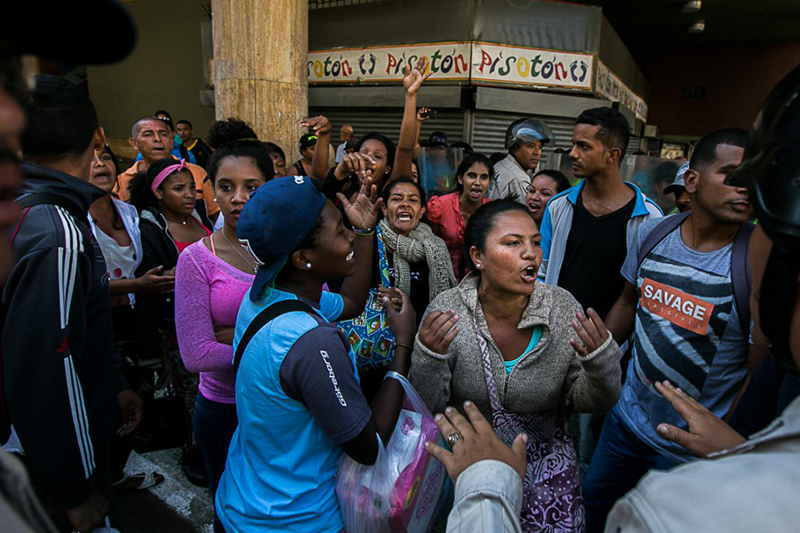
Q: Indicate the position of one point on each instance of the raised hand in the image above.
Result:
(415, 76)
(355, 163)
(438, 330)
(477, 443)
(318, 125)
(363, 211)
(707, 432)
(591, 331)
(422, 114)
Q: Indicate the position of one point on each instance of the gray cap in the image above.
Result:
(677, 183)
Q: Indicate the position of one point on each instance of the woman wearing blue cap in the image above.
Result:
(298, 397)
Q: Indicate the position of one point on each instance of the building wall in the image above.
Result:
(165, 71)
(726, 84)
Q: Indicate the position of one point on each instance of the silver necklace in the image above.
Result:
(236, 249)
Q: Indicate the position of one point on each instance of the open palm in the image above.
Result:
(415, 76)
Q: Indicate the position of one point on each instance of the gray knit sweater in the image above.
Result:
(550, 374)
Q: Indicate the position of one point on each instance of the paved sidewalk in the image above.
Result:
(173, 506)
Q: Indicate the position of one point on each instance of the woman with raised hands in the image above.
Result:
(503, 340)
(212, 278)
(407, 256)
(375, 154)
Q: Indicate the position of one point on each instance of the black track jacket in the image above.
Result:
(61, 371)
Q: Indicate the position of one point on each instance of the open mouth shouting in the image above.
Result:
(476, 193)
(528, 274)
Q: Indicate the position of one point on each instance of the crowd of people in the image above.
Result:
(570, 338)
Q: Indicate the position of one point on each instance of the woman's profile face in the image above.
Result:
(512, 254)
(333, 254)
(403, 209)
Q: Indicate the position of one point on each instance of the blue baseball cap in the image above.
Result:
(677, 183)
(274, 221)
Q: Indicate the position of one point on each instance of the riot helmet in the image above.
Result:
(528, 130)
(770, 170)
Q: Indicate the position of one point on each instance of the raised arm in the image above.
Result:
(363, 215)
(321, 127)
(408, 129)
(422, 116)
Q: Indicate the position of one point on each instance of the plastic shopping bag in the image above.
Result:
(404, 489)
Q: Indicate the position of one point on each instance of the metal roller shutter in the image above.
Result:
(489, 131)
(387, 122)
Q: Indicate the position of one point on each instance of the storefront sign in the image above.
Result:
(611, 87)
(448, 61)
(531, 66)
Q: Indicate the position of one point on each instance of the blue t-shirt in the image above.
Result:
(298, 399)
(687, 331)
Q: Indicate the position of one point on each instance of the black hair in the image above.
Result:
(464, 146)
(562, 183)
(113, 156)
(274, 149)
(141, 195)
(61, 120)
(467, 163)
(387, 143)
(184, 121)
(387, 189)
(496, 157)
(168, 122)
(222, 131)
(705, 152)
(481, 223)
(614, 129)
(163, 112)
(232, 146)
(665, 172)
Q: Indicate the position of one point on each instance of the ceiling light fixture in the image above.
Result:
(692, 6)
(697, 27)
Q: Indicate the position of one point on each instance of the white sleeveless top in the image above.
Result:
(121, 261)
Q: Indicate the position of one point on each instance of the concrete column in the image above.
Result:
(260, 53)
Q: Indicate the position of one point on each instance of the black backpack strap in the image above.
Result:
(740, 274)
(41, 198)
(270, 313)
(662, 229)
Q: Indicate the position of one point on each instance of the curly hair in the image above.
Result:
(141, 195)
(225, 131)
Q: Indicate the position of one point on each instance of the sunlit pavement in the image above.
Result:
(182, 506)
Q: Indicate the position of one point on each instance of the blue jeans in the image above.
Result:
(620, 460)
(214, 424)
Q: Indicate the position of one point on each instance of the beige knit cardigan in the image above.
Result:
(549, 374)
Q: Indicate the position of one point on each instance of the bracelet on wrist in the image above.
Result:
(368, 231)
(401, 345)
